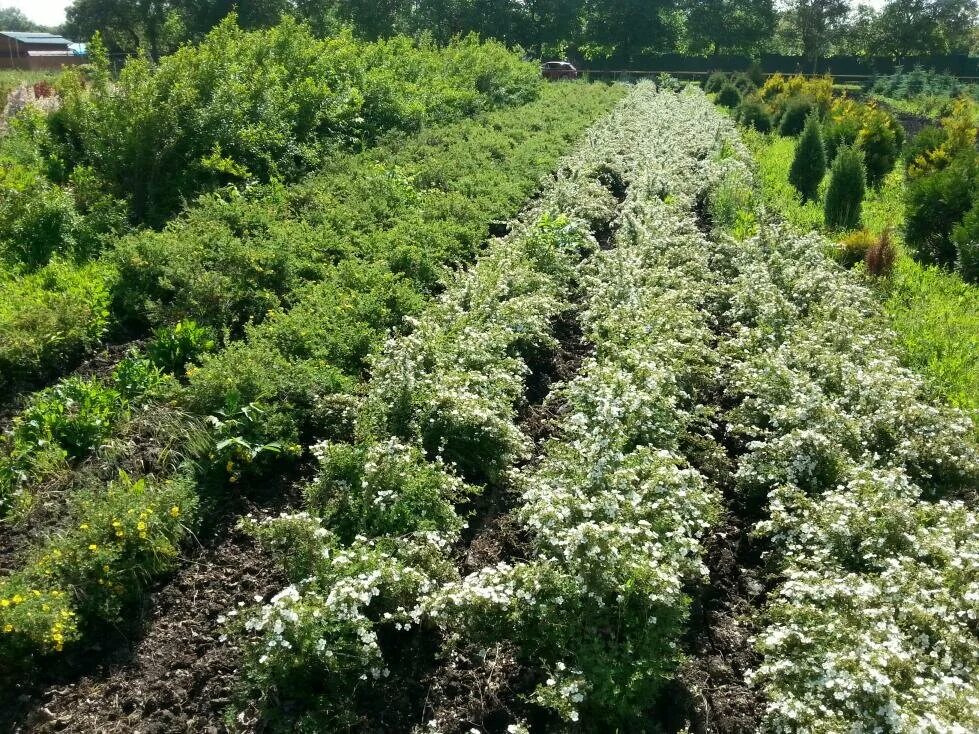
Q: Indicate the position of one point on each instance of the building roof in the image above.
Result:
(46, 39)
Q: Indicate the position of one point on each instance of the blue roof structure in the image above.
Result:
(47, 39)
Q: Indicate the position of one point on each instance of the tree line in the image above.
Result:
(594, 28)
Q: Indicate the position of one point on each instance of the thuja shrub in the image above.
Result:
(809, 165)
(729, 96)
(966, 239)
(797, 112)
(715, 82)
(847, 184)
(753, 113)
(934, 203)
(880, 139)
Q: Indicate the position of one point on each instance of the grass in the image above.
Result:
(934, 312)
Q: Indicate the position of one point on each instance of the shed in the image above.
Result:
(35, 51)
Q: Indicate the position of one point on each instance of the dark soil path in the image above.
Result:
(178, 676)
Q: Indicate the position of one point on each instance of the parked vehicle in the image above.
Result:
(558, 70)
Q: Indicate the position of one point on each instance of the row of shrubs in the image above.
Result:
(920, 82)
(235, 256)
(241, 107)
(242, 414)
(439, 425)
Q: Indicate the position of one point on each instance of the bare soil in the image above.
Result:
(178, 676)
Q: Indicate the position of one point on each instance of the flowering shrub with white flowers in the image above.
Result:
(709, 325)
(615, 511)
(439, 423)
(873, 626)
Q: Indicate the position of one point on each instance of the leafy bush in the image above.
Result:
(264, 104)
(715, 82)
(797, 112)
(172, 348)
(41, 219)
(123, 538)
(809, 163)
(385, 489)
(296, 362)
(966, 239)
(729, 96)
(75, 414)
(934, 203)
(753, 113)
(49, 319)
(844, 197)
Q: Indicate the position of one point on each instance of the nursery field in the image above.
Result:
(451, 401)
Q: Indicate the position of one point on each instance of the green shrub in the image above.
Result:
(41, 219)
(224, 263)
(809, 164)
(383, 490)
(297, 361)
(247, 105)
(715, 82)
(966, 239)
(797, 112)
(136, 377)
(855, 246)
(173, 347)
(59, 425)
(934, 203)
(75, 414)
(752, 112)
(847, 184)
(929, 139)
(729, 96)
(49, 319)
(744, 83)
(880, 139)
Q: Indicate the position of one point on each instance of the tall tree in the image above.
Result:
(13, 19)
(913, 27)
(630, 27)
(128, 26)
(817, 25)
(729, 26)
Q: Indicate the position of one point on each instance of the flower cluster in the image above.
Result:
(437, 425)
(615, 512)
(872, 627)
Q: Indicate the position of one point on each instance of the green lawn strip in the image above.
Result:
(934, 312)
(299, 363)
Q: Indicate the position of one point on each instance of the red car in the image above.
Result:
(558, 70)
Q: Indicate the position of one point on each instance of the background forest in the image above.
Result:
(594, 28)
